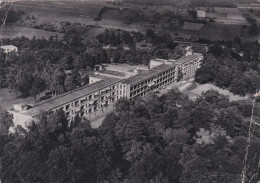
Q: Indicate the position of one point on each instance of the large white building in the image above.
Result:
(108, 85)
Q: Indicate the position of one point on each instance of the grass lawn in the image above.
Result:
(198, 89)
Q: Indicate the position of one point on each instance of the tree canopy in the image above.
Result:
(156, 139)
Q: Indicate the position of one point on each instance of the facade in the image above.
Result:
(9, 48)
(143, 83)
(85, 101)
(108, 85)
(201, 14)
(188, 65)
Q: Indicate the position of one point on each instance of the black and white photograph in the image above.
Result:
(129, 91)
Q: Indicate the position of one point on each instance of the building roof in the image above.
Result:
(8, 47)
(115, 73)
(65, 98)
(146, 74)
(125, 67)
(187, 58)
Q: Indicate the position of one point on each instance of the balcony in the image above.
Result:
(96, 95)
(91, 104)
(83, 101)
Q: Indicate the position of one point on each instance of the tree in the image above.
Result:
(57, 81)
(208, 70)
(155, 139)
(37, 87)
(224, 77)
(123, 105)
(192, 13)
(239, 85)
(254, 29)
(6, 121)
(178, 52)
(69, 83)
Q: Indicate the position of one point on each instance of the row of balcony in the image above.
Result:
(95, 103)
(156, 82)
(135, 93)
(87, 99)
(88, 111)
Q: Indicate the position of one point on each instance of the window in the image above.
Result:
(76, 103)
(67, 107)
(82, 101)
(82, 113)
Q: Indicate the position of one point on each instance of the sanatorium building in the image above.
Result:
(109, 83)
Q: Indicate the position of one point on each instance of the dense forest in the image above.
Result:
(58, 65)
(162, 139)
(228, 70)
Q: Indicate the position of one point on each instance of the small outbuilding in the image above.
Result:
(9, 48)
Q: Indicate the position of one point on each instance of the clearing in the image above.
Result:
(7, 100)
(198, 89)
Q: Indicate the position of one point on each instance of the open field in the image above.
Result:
(215, 31)
(193, 26)
(49, 17)
(230, 16)
(45, 18)
(17, 31)
(198, 89)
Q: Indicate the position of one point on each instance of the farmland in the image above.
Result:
(225, 15)
(19, 31)
(44, 19)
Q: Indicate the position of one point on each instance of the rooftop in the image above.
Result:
(125, 67)
(146, 74)
(116, 73)
(8, 46)
(70, 96)
(187, 58)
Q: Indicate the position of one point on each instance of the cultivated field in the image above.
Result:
(193, 26)
(43, 19)
(231, 16)
(18, 31)
(47, 18)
